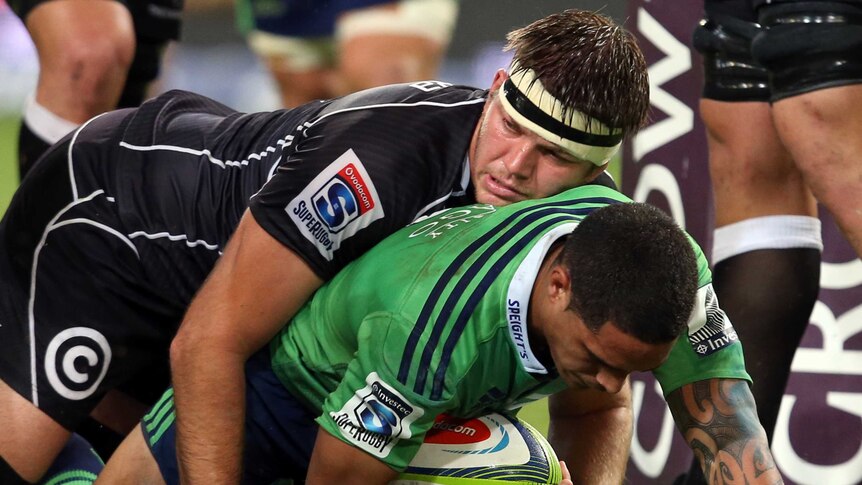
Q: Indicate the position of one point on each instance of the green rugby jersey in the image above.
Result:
(433, 320)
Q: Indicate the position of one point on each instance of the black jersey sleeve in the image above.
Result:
(366, 166)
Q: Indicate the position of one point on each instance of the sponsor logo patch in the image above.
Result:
(76, 361)
(376, 417)
(709, 329)
(340, 201)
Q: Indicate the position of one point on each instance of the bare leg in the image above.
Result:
(821, 129)
(298, 87)
(30, 440)
(85, 49)
(132, 463)
(392, 43)
(83, 65)
(769, 287)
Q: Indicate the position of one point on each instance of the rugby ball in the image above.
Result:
(487, 450)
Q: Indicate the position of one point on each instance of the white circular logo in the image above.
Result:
(76, 361)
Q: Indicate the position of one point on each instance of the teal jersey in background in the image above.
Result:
(433, 320)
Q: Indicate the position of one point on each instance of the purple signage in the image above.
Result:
(818, 438)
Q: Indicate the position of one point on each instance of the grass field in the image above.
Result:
(8, 165)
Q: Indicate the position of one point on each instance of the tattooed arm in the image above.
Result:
(719, 421)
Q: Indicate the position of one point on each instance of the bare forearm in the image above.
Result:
(719, 421)
(594, 446)
(334, 461)
(210, 401)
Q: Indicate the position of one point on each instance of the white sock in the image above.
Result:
(769, 232)
(45, 124)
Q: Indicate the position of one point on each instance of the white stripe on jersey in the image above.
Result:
(428, 207)
(174, 237)
(465, 181)
(69, 157)
(206, 153)
(398, 105)
(309, 124)
(172, 148)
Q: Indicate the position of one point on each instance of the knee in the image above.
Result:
(91, 61)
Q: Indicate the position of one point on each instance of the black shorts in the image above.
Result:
(80, 313)
(154, 20)
(754, 50)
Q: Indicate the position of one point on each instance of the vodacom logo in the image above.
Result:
(76, 361)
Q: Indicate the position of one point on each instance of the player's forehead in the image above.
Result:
(524, 97)
(536, 138)
(623, 351)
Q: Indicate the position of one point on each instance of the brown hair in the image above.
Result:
(589, 63)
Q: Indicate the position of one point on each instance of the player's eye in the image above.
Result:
(511, 125)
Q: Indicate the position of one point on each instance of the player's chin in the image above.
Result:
(497, 199)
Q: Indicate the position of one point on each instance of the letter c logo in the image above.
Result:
(76, 361)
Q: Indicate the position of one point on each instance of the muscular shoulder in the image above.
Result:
(428, 115)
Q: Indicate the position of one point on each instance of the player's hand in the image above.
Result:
(567, 477)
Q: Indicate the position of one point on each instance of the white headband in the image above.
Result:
(526, 100)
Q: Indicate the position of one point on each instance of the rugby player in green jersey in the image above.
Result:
(482, 309)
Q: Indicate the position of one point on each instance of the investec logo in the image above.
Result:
(340, 201)
(715, 332)
(376, 417)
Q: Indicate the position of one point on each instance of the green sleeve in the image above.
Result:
(709, 348)
(371, 409)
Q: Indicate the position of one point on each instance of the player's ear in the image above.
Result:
(596, 171)
(559, 283)
(499, 78)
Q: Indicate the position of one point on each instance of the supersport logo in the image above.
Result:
(340, 201)
(344, 198)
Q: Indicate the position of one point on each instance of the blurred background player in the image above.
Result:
(93, 57)
(318, 50)
(780, 103)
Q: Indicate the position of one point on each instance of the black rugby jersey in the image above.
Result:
(367, 165)
(343, 174)
(179, 171)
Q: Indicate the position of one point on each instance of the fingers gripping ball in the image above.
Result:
(492, 449)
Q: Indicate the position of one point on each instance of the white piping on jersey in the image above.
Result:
(190, 151)
(465, 180)
(465, 177)
(398, 105)
(428, 207)
(271, 172)
(269, 176)
(69, 156)
(53, 224)
(286, 142)
(174, 237)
